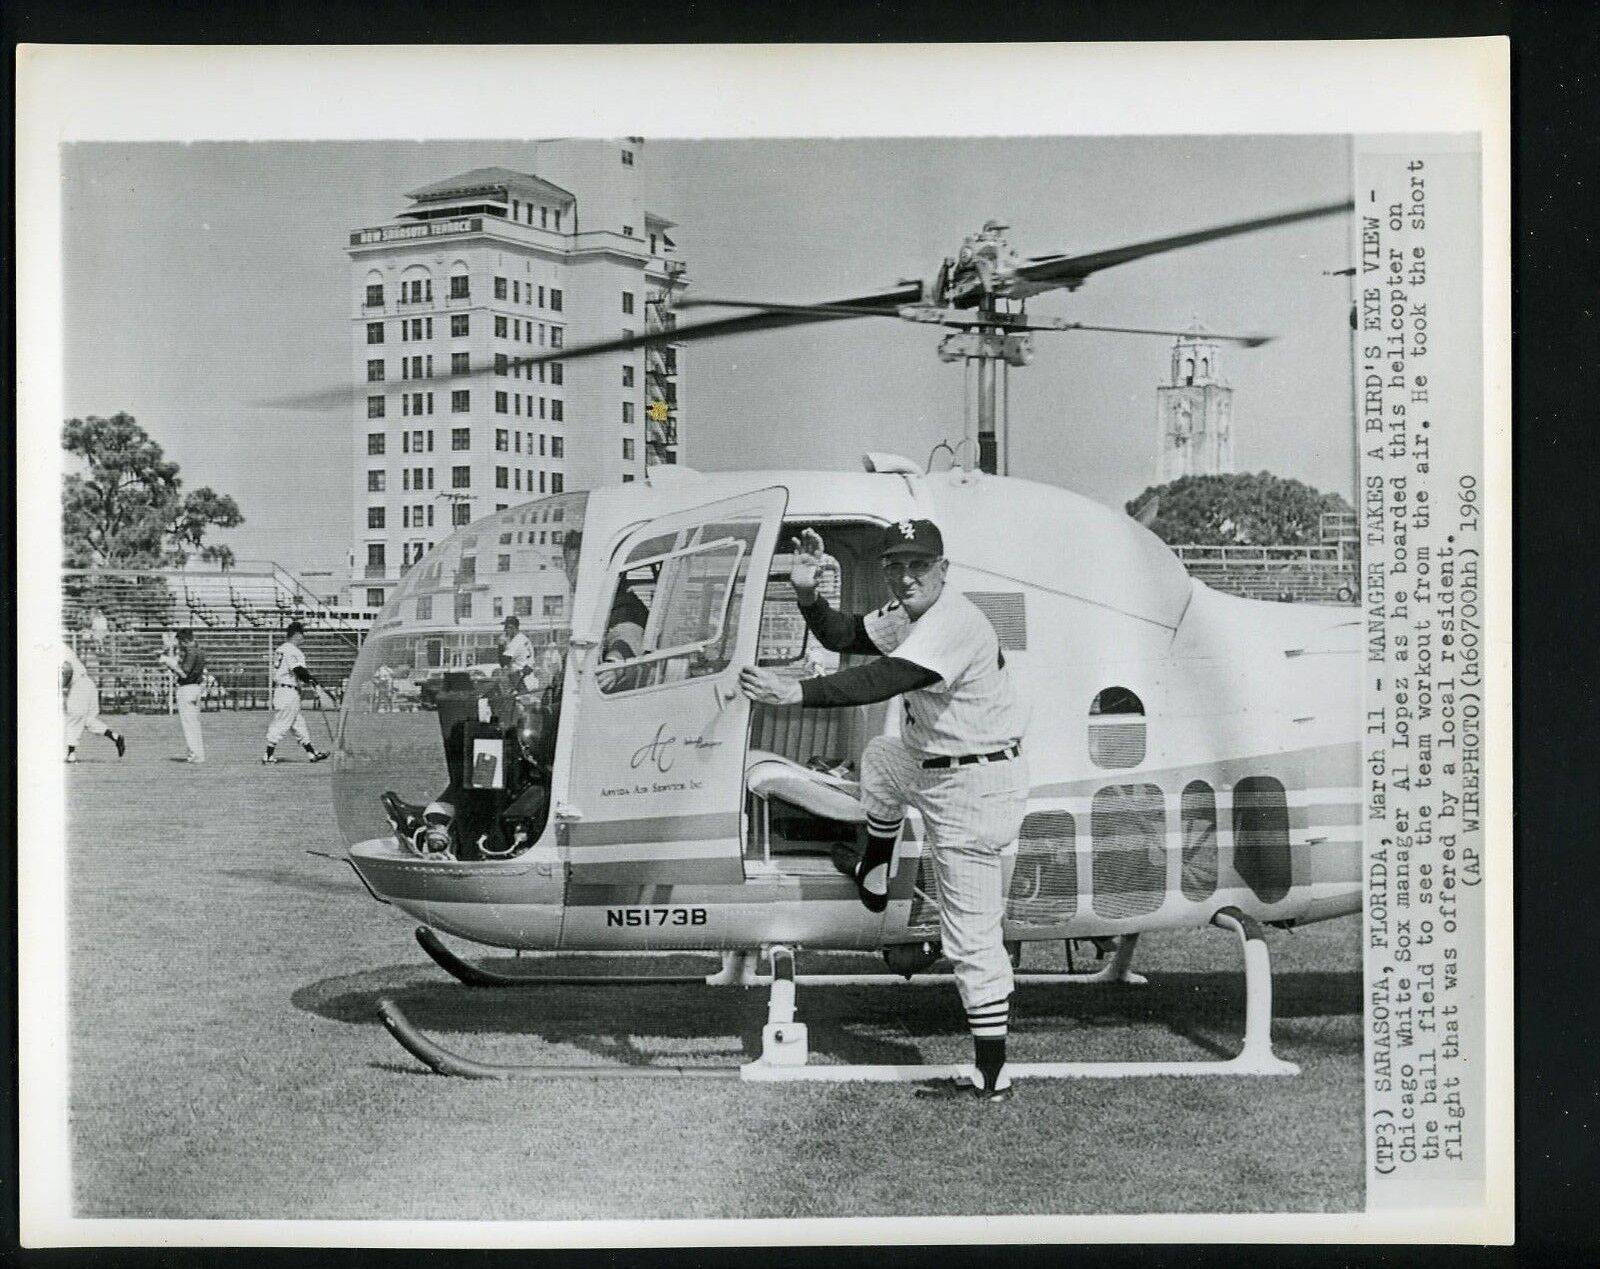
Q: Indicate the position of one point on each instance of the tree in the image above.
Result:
(128, 508)
(1241, 509)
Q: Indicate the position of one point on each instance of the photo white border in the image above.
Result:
(132, 93)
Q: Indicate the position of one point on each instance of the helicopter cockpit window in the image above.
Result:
(451, 716)
(1116, 729)
(674, 607)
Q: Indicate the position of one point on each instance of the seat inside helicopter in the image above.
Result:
(803, 764)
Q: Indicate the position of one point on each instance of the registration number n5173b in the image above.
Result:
(655, 916)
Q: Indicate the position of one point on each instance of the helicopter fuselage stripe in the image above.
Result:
(657, 831)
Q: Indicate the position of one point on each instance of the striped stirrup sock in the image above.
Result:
(882, 834)
(989, 1024)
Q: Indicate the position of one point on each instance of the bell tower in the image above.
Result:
(1194, 412)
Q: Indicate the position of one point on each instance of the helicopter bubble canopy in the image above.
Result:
(435, 713)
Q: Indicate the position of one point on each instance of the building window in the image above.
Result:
(374, 294)
(557, 411)
(374, 407)
(460, 438)
(499, 327)
(555, 299)
(627, 478)
(375, 370)
(627, 301)
(377, 481)
(374, 597)
(460, 514)
(518, 435)
(627, 412)
(460, 401)
(516, 328)
(430, 478)
(541, 482)
(522, 605)
(374, 554)
(557, 373)
(502, 403)
(461, 363)
(461, 478)
(374, 332)
(424, 607)
(460, 324)
(627, 161)
(516, 292)
(502, 439)
(653, 250)
(501, 363)
(541, 297)
(556, 337)
(375, 442)
(555, 605)
(416, 442)
(499, 288)
(405, 517)
(430, 515)
(627, 232)
(463, 605)
(517, 480)
(458, 287)
(541, 407)
(627, 376)
(502, 564)
(405, 479)
(627, 448)
(502, 478)
(557, 484)
(558, 447)
(374, 517)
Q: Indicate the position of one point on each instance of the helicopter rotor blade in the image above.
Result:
(1246, 341)
(714, 328)
(845, 309)
(1069, 269)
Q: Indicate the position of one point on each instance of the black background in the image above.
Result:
(1555, 54)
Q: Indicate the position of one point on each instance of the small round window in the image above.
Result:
(1116, 729)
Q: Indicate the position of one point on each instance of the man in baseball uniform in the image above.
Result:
(188, 663)
(289, 674)
(958, 760)
(83, 703)
(516, 655)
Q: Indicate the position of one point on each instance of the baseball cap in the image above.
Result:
(911, 538)
(294, 628)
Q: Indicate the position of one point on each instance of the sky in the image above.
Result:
(200, 279)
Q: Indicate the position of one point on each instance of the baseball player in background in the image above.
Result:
(83, 703)
(516, 656)
(289, 675)
(958, 761)
(188, 663)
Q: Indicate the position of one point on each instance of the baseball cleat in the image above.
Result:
(967, 1087)
(317, 755)
(270, 760)
(121, 742)
(849, 863)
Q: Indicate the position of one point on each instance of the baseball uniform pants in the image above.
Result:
(971, 819)
(83, 711)
(286, 716)
(189, 695)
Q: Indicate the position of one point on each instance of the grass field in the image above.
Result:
(227, 1061)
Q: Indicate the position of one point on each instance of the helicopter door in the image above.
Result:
(657, 778)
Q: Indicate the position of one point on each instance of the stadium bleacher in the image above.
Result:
(238, 617)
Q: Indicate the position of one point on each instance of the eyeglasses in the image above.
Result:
(918, 569)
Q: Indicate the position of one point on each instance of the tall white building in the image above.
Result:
(481, 269)
(1194, 412)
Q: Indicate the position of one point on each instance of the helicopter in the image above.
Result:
(1195, 755)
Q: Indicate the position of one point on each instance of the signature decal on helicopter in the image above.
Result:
(655, 751)
(655, 916)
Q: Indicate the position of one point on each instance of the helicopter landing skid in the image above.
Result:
(783, 1049)
(465, 971)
